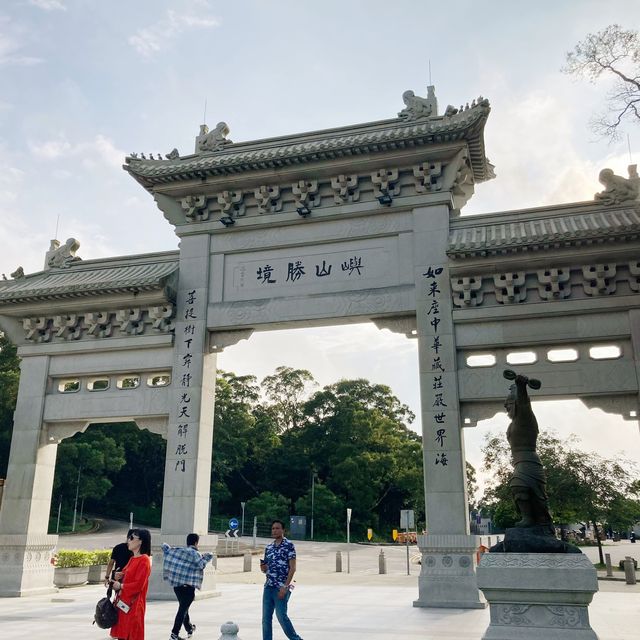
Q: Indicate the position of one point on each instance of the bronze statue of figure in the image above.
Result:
(528, 482)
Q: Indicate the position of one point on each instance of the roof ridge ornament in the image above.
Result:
(418, 107)
(61, 255)
(214, 140)
(619, 190)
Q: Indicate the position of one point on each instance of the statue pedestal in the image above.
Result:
(447, 578)
(536, 596)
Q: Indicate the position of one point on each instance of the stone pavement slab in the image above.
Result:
(319, 612)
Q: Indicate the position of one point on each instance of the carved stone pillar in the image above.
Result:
(25, 547)
(187, 477)
(447, 576)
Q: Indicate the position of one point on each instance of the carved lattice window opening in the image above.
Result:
(480, 360)
(159, 380)
(128, 382)
(562, 355)
(98, 384)
(521, 357)
(69, 385)
(605, 352)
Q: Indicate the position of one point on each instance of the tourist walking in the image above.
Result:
(131, 585)
(279, 564)
(183, 568)
(120, 555)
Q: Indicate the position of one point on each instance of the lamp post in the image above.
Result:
(313, 487)
(242, 504)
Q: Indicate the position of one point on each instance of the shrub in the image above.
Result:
(101, 556)
(74, 558)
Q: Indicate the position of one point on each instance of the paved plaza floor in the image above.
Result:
(325, 605)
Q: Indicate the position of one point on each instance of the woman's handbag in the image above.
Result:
(106, 614)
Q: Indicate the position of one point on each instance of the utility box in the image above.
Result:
(297, 527)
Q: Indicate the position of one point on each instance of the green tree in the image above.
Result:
(472, 484)
(286, 391)
(9, 379)
(86, 464)
(269, 506)
(613, 53)
(329, 512)
(358, 440)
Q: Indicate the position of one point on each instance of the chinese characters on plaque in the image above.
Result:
(439, 388)
(298, 270)
(185, 376)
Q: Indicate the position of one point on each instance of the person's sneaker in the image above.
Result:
(175, 636)
(193, 630)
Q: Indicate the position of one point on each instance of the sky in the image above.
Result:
(85, 82)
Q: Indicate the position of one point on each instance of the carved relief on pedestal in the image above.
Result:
(510, 287)
(467, 291)
(428, 176)
(554, 283)
(599, 279)
(345, 188)
(268, 198)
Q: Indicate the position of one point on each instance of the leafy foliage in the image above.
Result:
(613, 53)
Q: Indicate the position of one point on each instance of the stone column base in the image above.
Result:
(26, 564)
(447, 578)
(537, 596)
(160, 589)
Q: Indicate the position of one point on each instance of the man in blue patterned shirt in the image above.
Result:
(183, 568)
(279, 564)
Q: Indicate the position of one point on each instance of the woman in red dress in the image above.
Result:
(131, 584)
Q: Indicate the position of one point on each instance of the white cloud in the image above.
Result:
(100, 150)
(149, 40)
(11, 44)
(48, 5)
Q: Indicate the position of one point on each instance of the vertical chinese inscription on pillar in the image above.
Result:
(186, 418)
(440, 402)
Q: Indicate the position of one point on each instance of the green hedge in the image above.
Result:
(74, 558)
(101, 556)
(78, 558)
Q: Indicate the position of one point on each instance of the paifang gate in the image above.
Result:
(354, 224)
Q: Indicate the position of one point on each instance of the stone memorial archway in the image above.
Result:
(343, 225)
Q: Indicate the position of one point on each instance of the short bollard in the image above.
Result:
(629, 570)
(338, 562)
(607, 561)
(489, 541)
(247, 561)
(229, 631)
(382, 563)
